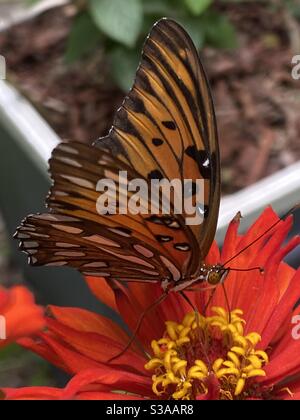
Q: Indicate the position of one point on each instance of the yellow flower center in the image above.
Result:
(205, 355)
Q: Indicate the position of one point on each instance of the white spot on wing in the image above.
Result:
(69, 161)
(174, 224)
(61, 193)
(31, 244)
(112, 175)
(79, 181)
(130, 258)
(56, 218)
(144, 251)
(68, 229)
(57, 264)
(69, 254)
(151, 273)
(27, 229)
(68, 149)
(95, 265)
(102, 240)
(97, 274)
(206, 163)
(39, 235)
(172, 268)
(32, 251)
(119, 232)
(102, 162)
(66, 245)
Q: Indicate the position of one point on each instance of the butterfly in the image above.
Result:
(165, 128)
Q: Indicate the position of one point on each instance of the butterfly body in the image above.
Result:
(165, 129)
(209, 277)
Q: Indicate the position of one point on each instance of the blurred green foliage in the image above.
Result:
(294, 7)
(121, 26)
(18, 367)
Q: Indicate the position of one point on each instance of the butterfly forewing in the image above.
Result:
(166, 125)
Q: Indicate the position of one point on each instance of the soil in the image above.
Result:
(257, 100)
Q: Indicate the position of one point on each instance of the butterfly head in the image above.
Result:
(216, 274)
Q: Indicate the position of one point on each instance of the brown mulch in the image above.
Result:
(257, 101)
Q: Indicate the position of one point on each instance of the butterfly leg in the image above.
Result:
(212, 293)
(200, 289)
(227, 303)
(197, 317)
(138, 326)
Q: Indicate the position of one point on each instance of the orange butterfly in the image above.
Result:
(165, 128)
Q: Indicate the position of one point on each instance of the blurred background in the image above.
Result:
(74, 60)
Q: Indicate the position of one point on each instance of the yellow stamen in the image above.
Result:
(191, 353)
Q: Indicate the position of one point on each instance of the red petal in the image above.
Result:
(102, 290)
(214, 387)
(285, 364)
(23, 317)
(131, 311)
(86, 321)
(267, 297)
(96, 346)
(73, 360)
(282, 311)
(213, 255)
(114, 379)
(32, 393)
(43, 350)
(107, 396)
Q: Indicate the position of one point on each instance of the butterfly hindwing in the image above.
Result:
(124, 242)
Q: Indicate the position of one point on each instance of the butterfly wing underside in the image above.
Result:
(165, 128)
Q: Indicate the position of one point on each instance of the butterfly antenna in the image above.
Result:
(297, 206)
(260, 269)
(138, 326)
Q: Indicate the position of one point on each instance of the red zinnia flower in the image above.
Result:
(251, 354)
(20, 316)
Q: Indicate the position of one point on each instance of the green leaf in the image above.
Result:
(120, 20)
(161, 8)
(12, 350)
(83, 38)
(294, 9)
(219, 31)
(124, 63)
(197, 7)
(156, 7)
(194, 28)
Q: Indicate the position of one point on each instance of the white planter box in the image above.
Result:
(33, 134)
(17, 11)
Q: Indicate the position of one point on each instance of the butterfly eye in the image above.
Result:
(217, 276)
(214, 278)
